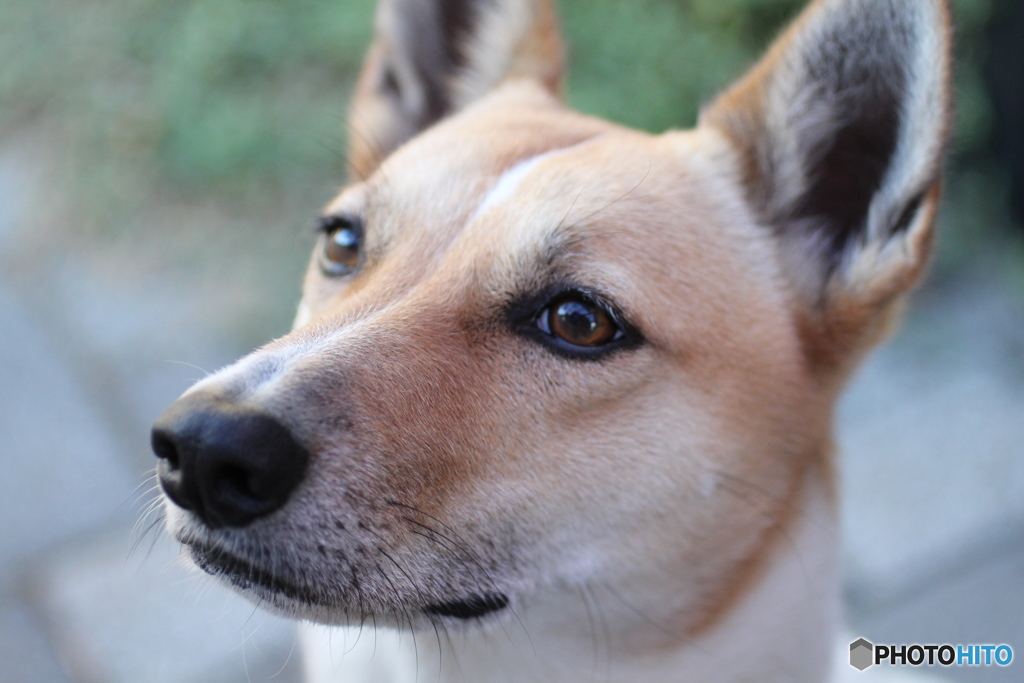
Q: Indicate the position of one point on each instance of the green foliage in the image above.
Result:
(214, 92)
(652, 63)
(229, 97)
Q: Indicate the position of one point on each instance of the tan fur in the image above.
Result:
(690, 477)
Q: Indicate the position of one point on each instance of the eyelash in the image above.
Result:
(327, 224)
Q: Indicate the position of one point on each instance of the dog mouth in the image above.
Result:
(247, 576)
(473, 607)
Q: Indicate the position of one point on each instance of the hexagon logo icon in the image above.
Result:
(861, 652)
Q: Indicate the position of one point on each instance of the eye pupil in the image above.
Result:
(341, 250)
(581, 323)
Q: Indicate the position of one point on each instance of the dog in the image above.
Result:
(558, 400)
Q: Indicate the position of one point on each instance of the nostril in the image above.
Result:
(170, 478)
(165, 449)
(169, 472)
(236, 483)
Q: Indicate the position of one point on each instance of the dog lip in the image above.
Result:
(244, 574)
(472, 607)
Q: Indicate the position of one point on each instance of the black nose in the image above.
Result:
(226, 462)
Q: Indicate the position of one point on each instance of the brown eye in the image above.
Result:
(580, 323)
(340, 254)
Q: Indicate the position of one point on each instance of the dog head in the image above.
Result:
(536, 349)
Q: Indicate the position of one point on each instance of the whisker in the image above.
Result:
(189, 365)
(145, 481)
(139, 540)
(287, 659)
(408, 616)
(616, 200)
(466, 548)
(632, 608)
(593, 630)
(604, 629)
(772, 514)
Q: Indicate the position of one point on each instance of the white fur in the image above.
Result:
(780, 631)
(508, 182)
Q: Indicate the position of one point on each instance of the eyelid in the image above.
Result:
(328, 224)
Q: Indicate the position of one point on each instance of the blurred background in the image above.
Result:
(161, 164)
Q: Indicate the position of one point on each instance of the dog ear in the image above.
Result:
(841, 131)
(430, 58)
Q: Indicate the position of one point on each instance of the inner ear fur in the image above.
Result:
(430, 58)
(841, 131)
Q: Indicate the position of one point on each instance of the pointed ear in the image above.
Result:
(841, 131)
(430, 58)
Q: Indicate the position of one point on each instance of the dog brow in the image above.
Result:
(552, 264)
(508, 181)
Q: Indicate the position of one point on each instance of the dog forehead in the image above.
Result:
(624, 200)
(513, 183)
(510, 180)
(499, 197)
(432, 185)
(647, 219)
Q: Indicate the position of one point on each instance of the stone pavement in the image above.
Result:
(88, 357)
(74, 481)
(933, 481)
(932, 433)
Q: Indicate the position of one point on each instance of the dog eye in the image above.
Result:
(579, 322)
(342, 241)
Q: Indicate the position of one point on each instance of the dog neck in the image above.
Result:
(777, 626)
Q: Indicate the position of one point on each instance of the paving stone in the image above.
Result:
(140, 340)
(63, 473)
(982, 605)
(148, 618)
(932, 435)
(25, 654)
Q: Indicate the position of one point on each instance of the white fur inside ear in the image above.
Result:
(916, 160)
(796, 114)
(500, 27)
(393, 31)
(855, 116)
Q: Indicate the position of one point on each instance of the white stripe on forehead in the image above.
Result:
(511, 179)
